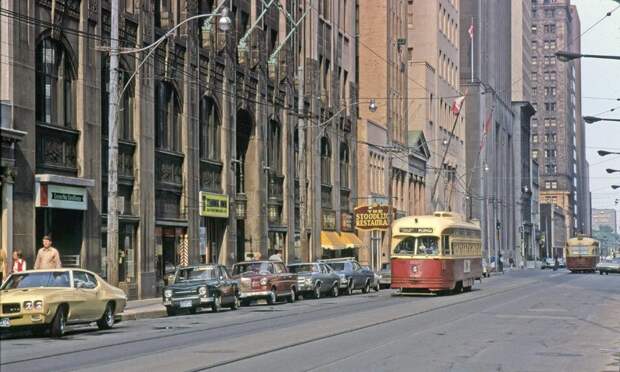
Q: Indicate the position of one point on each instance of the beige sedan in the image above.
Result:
(52, 299)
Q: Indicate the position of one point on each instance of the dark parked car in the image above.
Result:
(196, 287)
(352, 275)
(609, 266)
(315, 279)
(270, 280)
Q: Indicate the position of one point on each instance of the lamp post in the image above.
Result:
(564, 56)
(615, 187)
(594, 119)
(609, 170)
(115, 96)
(605, 153)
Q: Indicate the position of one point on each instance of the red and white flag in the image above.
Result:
(486, 129)
(457, 104)
(470, 31)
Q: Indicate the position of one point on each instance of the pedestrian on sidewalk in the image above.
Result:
(500, 264)
(47, 257)
(277, 256)
(3, 265)
(19, 264)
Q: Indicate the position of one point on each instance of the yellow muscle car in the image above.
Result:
(52, 299)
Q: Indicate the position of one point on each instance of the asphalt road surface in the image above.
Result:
(521, 321)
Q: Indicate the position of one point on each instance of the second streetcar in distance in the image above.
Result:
(581, 254)
(437, 253)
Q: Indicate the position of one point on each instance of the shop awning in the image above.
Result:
(331, 240)
(351, 240)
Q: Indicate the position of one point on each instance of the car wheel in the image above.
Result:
(349, 290)
(366, 288)
(377, 288)
(217, 304)
(272, 297)
(107, 320)
(57, 329)
(292, 296)
(245, 302)
(236, 303)
(171, 311)
(317, 291)
(335, 290)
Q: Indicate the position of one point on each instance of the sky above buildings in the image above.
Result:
(600, 89)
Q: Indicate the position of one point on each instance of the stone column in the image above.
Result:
(7, 214)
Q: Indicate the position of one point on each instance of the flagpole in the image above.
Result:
(445, 153)
(471, 37)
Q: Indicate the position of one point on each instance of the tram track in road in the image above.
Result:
(280, 348)
(280, 316)
(144, 346)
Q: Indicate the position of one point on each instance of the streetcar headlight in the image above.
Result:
(168, 293)
(202, 291)
(264, 281)
(38, 305)
(414, 268)
(27, 305)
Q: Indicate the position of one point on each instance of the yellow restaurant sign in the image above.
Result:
(372, 217)
(213, 205)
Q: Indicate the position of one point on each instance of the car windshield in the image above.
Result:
(579, 250)
(303, 269)
(38, 279)
(204, 273)
(252, 267)
(420, 245)
(338, 266)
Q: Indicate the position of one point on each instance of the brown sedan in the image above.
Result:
(268, 280)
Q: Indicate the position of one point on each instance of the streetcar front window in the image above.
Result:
(421, 245)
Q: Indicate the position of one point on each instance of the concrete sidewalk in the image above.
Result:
(144, 309)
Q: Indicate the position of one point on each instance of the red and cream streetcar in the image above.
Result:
(438, 253)
(581, 254)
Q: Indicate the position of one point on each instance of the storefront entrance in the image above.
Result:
(64, 226)
(170, 243)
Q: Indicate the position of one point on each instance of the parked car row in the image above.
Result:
(213, 286)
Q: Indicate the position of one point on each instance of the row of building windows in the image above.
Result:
(448, 26)
(547, 60)
(377, 173)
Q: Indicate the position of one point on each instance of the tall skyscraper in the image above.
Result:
(557, 129)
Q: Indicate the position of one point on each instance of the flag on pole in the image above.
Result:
(470, 31)
(486, 129)
(457, 104)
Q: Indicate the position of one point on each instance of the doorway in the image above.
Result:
(64, 226)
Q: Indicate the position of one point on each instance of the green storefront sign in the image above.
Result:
(213, 205)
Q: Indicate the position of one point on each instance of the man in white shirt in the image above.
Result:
(276, 256)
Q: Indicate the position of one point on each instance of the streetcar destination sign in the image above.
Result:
(416, 230)
(372, 217)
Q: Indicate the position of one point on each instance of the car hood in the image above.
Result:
(252, 275)
(29, 294)
(187, 284)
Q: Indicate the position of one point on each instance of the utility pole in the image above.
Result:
(112, 224)
(301, 132)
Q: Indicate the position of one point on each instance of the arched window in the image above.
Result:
(167, 118)
(274, 152)
(209, 130)
(55, 91)
(345, 181)
(326, 157)
(125, 114)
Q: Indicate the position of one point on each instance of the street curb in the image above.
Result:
(149, 314)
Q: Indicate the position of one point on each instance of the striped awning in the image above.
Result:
(330, 240)
(351, 240)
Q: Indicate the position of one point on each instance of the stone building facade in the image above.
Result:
(434, 61)
(490, 139)
(391, 158)
(230, 145)
(558, 135)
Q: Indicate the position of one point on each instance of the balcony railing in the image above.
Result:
(57, 149)
(211, 176)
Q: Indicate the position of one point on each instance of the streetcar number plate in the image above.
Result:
(187, 303)
(5, 322)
